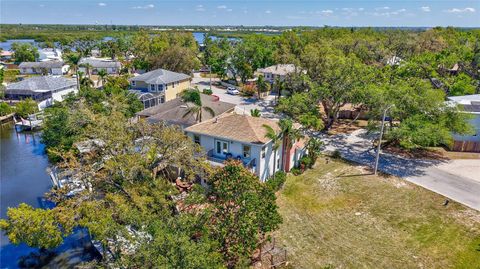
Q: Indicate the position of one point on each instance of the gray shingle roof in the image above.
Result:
(40, 84)
(160, 76)
(100, 63)
(45, 64)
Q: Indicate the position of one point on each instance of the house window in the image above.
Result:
(246, 151)
(173, 85)
(221, 147)
(278, 162)
(133, 83)
(196, 139)
(263, 152)
(160, 87)
(152, 87)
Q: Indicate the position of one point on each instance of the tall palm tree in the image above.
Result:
(276, 141)
(73, 59)
(262, 86)
(192, 96)
(84, 80)
(102, 74)
(88, 68)
(279, 86)
(289, 134)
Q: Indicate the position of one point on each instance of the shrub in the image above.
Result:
(296, 171)
(306, 161)
(276, 183)
(336, 154)
(10, 75)
(207, 91)
(248, 90)
(26, 107)
(5, 109)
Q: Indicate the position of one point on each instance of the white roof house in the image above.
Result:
(49, 54)
(96, 64)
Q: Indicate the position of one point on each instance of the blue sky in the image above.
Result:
(247, 12)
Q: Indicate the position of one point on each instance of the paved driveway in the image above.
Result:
(244, 105)
(458, 180)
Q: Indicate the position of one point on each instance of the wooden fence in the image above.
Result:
(466, 146)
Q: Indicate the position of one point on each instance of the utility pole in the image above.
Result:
(210, 71)
(377, 157)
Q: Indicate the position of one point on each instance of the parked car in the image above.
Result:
(232, 91)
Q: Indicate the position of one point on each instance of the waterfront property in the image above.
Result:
(49, 54)
(279, 71)
(43, 68)
(167, 83)
(93, 65)
(43, 89)
(175, 111)
(244, 138)
(471, 105)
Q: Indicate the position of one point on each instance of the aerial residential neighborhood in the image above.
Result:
(168, 134)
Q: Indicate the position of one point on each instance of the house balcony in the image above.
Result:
(248, 163)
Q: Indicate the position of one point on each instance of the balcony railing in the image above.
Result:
(247, 162)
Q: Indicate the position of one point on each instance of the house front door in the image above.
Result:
(221, 148)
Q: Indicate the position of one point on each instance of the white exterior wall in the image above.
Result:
(264, 166)
(59, 96)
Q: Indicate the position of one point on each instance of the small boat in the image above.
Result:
(33, 121)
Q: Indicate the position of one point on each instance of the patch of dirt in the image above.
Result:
(328, 182)
(416, 153)
(468, 217)
(346, 126)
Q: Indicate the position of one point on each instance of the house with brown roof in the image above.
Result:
(175, 111)
(242, 137)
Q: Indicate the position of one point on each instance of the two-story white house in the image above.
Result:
(93, 65)
(242, 137)
(279, 71)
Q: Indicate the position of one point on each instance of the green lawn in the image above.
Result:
(338, 215)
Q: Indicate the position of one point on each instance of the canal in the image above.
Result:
(23, 179)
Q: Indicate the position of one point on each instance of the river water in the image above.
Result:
(23, 179)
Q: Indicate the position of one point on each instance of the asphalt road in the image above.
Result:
(458, 180)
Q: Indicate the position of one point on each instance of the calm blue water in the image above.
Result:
(23, 179)
(7, 45)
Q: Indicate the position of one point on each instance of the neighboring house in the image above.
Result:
(96, 64)
(43, 89)
(471, 105)
(279, 71)
(6, 55)
(173, 111)
(242, 137)
(56, 68)
(169, 84)
(49, 54)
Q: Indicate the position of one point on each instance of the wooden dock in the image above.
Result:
(33, 122)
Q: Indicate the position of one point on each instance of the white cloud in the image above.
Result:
(41, 5)
(229, 10)
(425, 9)
(144, 7)
(382, 8)
(222, 7)
(327, 12)
(102, 4)
(200, 8)
(389, 13)
(268, 11)
(461, 10)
